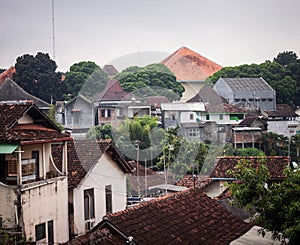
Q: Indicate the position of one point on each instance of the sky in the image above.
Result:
(134, 32)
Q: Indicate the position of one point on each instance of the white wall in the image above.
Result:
(105, 172)
(44, 203)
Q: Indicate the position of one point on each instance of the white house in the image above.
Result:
(97, 182)
(33, 192)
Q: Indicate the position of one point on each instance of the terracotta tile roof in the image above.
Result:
(110, 70)
(9, 91)
(153, 178)
(190, 181)
(275, 164)
(157, 100)
(189, 65)
(282, 110)
(112, 92)
(214, 102)
(42, 128)
(84, 154)
(187, 217)
(7, 74)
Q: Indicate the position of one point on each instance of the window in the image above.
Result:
(108, 198)
(191, 116)
(221, 116)
(106, 113)
(50, 232)
(193, 132)
(207, 117)
(12, 167)
(89, 204)
(40, 231)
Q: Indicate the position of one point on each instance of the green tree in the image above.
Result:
(285, 58)
(37, 75)
(52, 115)
(273, 144)
(99, 132)
(85, 77)
(278, 205)
(248, 152)
(154, 79)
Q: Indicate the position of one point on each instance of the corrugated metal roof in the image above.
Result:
(247, 84)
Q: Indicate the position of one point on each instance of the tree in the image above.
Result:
(37, 76)
(154, 79)
(85, 77)
(278, 206)
(100, 132)
(248, 152)
(52, 115)
(285, 58)
(273, 144)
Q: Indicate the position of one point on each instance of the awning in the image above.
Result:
(6, 148)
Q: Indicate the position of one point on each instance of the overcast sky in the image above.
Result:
(230, 32)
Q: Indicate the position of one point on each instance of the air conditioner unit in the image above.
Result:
(89, 225)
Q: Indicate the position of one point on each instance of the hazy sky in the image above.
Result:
(230, 32)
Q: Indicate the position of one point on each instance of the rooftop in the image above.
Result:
(247, 84)
(275, 165)
(185, 217)
(189, 65)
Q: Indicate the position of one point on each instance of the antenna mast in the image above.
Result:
(53, 30)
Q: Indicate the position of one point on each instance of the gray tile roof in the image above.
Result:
(247, 84)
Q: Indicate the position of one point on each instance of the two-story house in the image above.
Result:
(33, 191)
(96, 180)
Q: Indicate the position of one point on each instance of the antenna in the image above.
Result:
(53, 30)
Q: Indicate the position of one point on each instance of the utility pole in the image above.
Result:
(53, 31)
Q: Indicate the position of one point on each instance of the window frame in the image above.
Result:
(108, 199)
(89, 204)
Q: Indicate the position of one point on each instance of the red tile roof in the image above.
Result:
(112, 92)
(189, 65)
(282, 110)
(275, 165)
(7, 74)
(157, 100)
(186, 217)
(42, 127)
(190, 181)
(84, 154)
(110, 70)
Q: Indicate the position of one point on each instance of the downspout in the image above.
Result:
(65, 158)
(44, 161)
(19, 180)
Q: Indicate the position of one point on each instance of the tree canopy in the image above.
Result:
(278, 205)
(37, 75)
(283, 75)
(151, 80)
(85, 77)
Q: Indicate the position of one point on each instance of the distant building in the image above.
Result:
(247, 93)
(191, 69)
(110, 70)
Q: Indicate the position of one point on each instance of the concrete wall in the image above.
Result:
(84, 111)
(8, 198)
(45, 202)
(105, 172)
